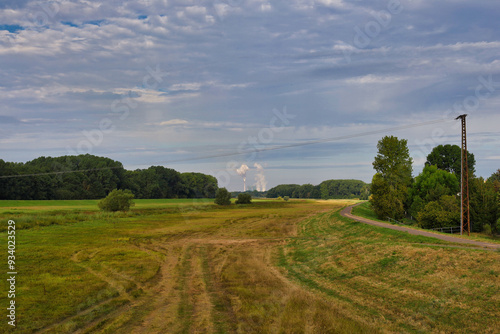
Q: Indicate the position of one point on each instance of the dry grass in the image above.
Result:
(294, 267)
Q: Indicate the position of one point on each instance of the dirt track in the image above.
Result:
(347, 213)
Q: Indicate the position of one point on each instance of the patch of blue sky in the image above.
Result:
(12, 28)
(71, 24)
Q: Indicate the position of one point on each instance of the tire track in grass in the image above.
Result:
(71, 323)
(201, 316)
(304, 269)
(185, 307)
(157, 310)
(222, 316)
(154, 311)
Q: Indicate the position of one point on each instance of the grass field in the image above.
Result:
(365, 210)
(178, 266)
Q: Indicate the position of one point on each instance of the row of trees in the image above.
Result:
(331, 189)
(433, 197)
(92, 177)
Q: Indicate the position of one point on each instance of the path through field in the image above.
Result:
(346, 212)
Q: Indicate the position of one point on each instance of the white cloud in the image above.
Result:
(331, 3)
(174, 122)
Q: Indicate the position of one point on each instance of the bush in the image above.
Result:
(286, 198)
(487, 229)
(442, 213)
(222, 197)
(117, 200)
(244, 199)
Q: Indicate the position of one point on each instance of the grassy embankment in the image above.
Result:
(365, 210)
(175, 267)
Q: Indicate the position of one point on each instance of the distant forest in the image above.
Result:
(331, 189)
(91, 177)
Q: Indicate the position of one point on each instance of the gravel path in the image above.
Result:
(346, 212)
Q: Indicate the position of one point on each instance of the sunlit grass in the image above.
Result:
(190, 266)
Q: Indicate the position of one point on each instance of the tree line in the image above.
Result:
(330, 189)
(92, 177)
(432, 197)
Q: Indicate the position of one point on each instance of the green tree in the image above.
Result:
(495, 180)
(282, 190)
(117, 200)
(449, 158)
(386, 202)
(199, 185)
(334, 189)
(429, 186)
(244, 199)
(442, 213)
(390, 184)
(483, 204)
(222, 197)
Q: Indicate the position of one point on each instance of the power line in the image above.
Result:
(306, 143)
(255, 150)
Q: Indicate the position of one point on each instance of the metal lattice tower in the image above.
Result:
(464, 194)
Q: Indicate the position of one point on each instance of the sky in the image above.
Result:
(207, 86)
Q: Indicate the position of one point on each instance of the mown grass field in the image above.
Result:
(365, 210)
(179, 266)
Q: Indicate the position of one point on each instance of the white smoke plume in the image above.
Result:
(260, 178)
(242, 171)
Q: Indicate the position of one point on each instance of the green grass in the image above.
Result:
(365, 210)
(169, 263)
(384, 274)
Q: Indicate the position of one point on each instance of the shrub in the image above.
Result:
(117, 200)
(244, 199)
(222, 197)
(286, 198)
(487, 229)
(442, 213)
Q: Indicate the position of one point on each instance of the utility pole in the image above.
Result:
(464, 193)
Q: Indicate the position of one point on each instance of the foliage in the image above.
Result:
(91, 177)
(483, 204)
(444, 212)
(286, 198)
(433, 183)
(336, 189)
(449, 158)
(282, 190)
(365, 192)
(117, 200)
(222, 197)
(495, 180)
(390, 185)
(429, 186)
(385, 200)
(330, 189)
(157, 182)
(199, 185)
(253, 193)
(393, 161)
(244, 199)
(487, 229)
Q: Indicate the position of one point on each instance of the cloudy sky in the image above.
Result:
(166, 82)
